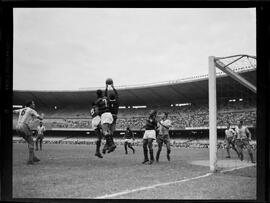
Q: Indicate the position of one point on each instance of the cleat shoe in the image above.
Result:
(168, 157)
(98, 155)
(145, 161)
(104, 151)
(35, 159)
(112, 148)
(150, 162)
(126, 153)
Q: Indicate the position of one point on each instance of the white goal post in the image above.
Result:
(215, 62)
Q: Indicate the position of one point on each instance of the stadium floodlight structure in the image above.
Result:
(229, 65)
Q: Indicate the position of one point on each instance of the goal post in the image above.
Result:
(228, 65)
(212, 114)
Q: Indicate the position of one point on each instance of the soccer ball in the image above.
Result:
(109, 81)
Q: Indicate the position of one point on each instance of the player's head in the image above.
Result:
(164, 115)
(112, 96)
(228, 125)
(240, 123)
(30, 104)
(99, 93)
(153, 113)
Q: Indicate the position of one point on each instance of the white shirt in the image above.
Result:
(41, 130)
(163, 130)
(229, 133)
(26, 115)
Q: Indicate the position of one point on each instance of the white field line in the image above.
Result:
(163, 184)
(150, 187)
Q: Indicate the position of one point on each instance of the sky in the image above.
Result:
(74, 48)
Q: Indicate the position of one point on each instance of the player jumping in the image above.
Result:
(243, 140)
(128, 139)
(113, 106)
(163, 136)
(40, 135)
(23, 129)
(106, 120)
(230, 136)
(149, 136)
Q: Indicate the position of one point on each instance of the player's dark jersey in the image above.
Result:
(103, 105)
(114, 106)
(128, 134)
(151, 124)
(94, 111)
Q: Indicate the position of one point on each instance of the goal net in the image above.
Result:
(230, 82)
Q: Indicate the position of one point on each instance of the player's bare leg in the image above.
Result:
(168, 145)
(150, 146)
(248, 146)
(98, 142)
(40, 144)
(145, 151)
(125, 145)
(37, 143)
(239, 145)
(129, 146)
(160, 143)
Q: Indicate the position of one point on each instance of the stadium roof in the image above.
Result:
(172, 92)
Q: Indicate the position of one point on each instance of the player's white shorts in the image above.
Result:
(129, 141)
(106, 118)
(149, 134)
(95, 122)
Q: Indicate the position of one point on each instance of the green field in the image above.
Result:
(72, 171)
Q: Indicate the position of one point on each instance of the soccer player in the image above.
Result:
(97, 128)
(163, 136)
(106, 120)
(40, 135)
(230, 136)
(113, 106)
(128, 139)
(23, 129)
(149, 136)
(243, 140)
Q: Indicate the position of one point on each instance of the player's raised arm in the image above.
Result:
(106, 90)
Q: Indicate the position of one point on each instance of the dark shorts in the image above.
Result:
(163, 139)
(229, 141)
(242, 143)
(40, 136)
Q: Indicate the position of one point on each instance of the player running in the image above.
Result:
(163, 135)
(97, 128)
(230, 136)
(149, 136)
(106, 120)
(128, 139)
(243, 140)
(113, 106)
(23, 129)
(40, 135)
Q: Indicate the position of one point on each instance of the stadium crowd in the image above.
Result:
(182, 117)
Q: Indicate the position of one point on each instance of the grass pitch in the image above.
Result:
(72, 171)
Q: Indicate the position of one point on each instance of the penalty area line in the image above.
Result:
(151, 187)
